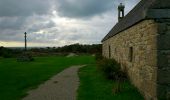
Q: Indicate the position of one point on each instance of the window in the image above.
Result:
(109, 51)
(130, 54)
(115, 50)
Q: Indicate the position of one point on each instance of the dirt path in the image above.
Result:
(63, 86)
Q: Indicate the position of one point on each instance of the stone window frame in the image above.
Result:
(109, 51)
(131, 51)
(115, 50)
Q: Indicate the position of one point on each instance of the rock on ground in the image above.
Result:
(71, 55)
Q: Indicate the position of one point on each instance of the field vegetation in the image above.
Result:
(105, 81)
(96, 82)
(16, 78)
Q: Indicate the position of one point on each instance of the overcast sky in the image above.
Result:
(57, 22)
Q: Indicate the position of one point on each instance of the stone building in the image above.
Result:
(140, 42)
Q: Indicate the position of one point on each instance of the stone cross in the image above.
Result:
(25, 41)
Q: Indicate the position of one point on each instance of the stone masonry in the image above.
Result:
(163, 59)
(149, 69)
(143, 69)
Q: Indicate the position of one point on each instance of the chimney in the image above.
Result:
(121, 8)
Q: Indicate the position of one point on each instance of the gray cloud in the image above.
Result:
(15, 17)
(83, 8)
(83, 21)
(12, 23)
(12, 35)
(39, 26)
(88, 8)
(11, 8)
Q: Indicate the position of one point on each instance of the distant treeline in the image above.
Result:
(8, 53)
(74, 48)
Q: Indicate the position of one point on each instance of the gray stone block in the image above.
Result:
(162, 59)
(162, 28)
(158, 13)
(168, 95)
(163, 77)
(162, 92)
(163, 42)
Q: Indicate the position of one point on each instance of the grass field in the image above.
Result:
(16, 78)
(93, 86)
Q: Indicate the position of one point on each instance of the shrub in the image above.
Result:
(111, 69)
(98, 56)
(6, 54)
(25, 57)
(117, 87)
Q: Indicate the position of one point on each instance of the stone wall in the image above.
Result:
(163, 52)
(136, 50)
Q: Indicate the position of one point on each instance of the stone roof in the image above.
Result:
(145, 9)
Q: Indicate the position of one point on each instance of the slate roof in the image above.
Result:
(145, 9)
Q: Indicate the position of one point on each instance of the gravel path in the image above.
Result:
(63, 86)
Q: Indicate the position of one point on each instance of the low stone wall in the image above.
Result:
(136, 50)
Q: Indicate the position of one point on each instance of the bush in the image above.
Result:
(111, 69)
(98, 56)
(25, 57)
(117, 87)
(6, 54)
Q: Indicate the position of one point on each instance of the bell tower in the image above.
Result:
(121, 13)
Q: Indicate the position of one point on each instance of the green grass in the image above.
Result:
(93, 86)
(16, 78)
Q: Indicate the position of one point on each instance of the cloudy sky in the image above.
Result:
(57, 22)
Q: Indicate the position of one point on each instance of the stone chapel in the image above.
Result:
(140, 42)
